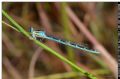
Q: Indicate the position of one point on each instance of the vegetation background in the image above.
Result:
(93, 24)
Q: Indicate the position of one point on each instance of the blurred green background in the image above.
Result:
(22, 59)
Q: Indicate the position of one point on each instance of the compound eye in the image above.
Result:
(31, 30)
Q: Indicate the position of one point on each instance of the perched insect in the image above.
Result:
(42, 34)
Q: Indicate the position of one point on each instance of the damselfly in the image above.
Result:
(41, 34)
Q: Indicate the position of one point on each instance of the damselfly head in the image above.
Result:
(31, 30)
